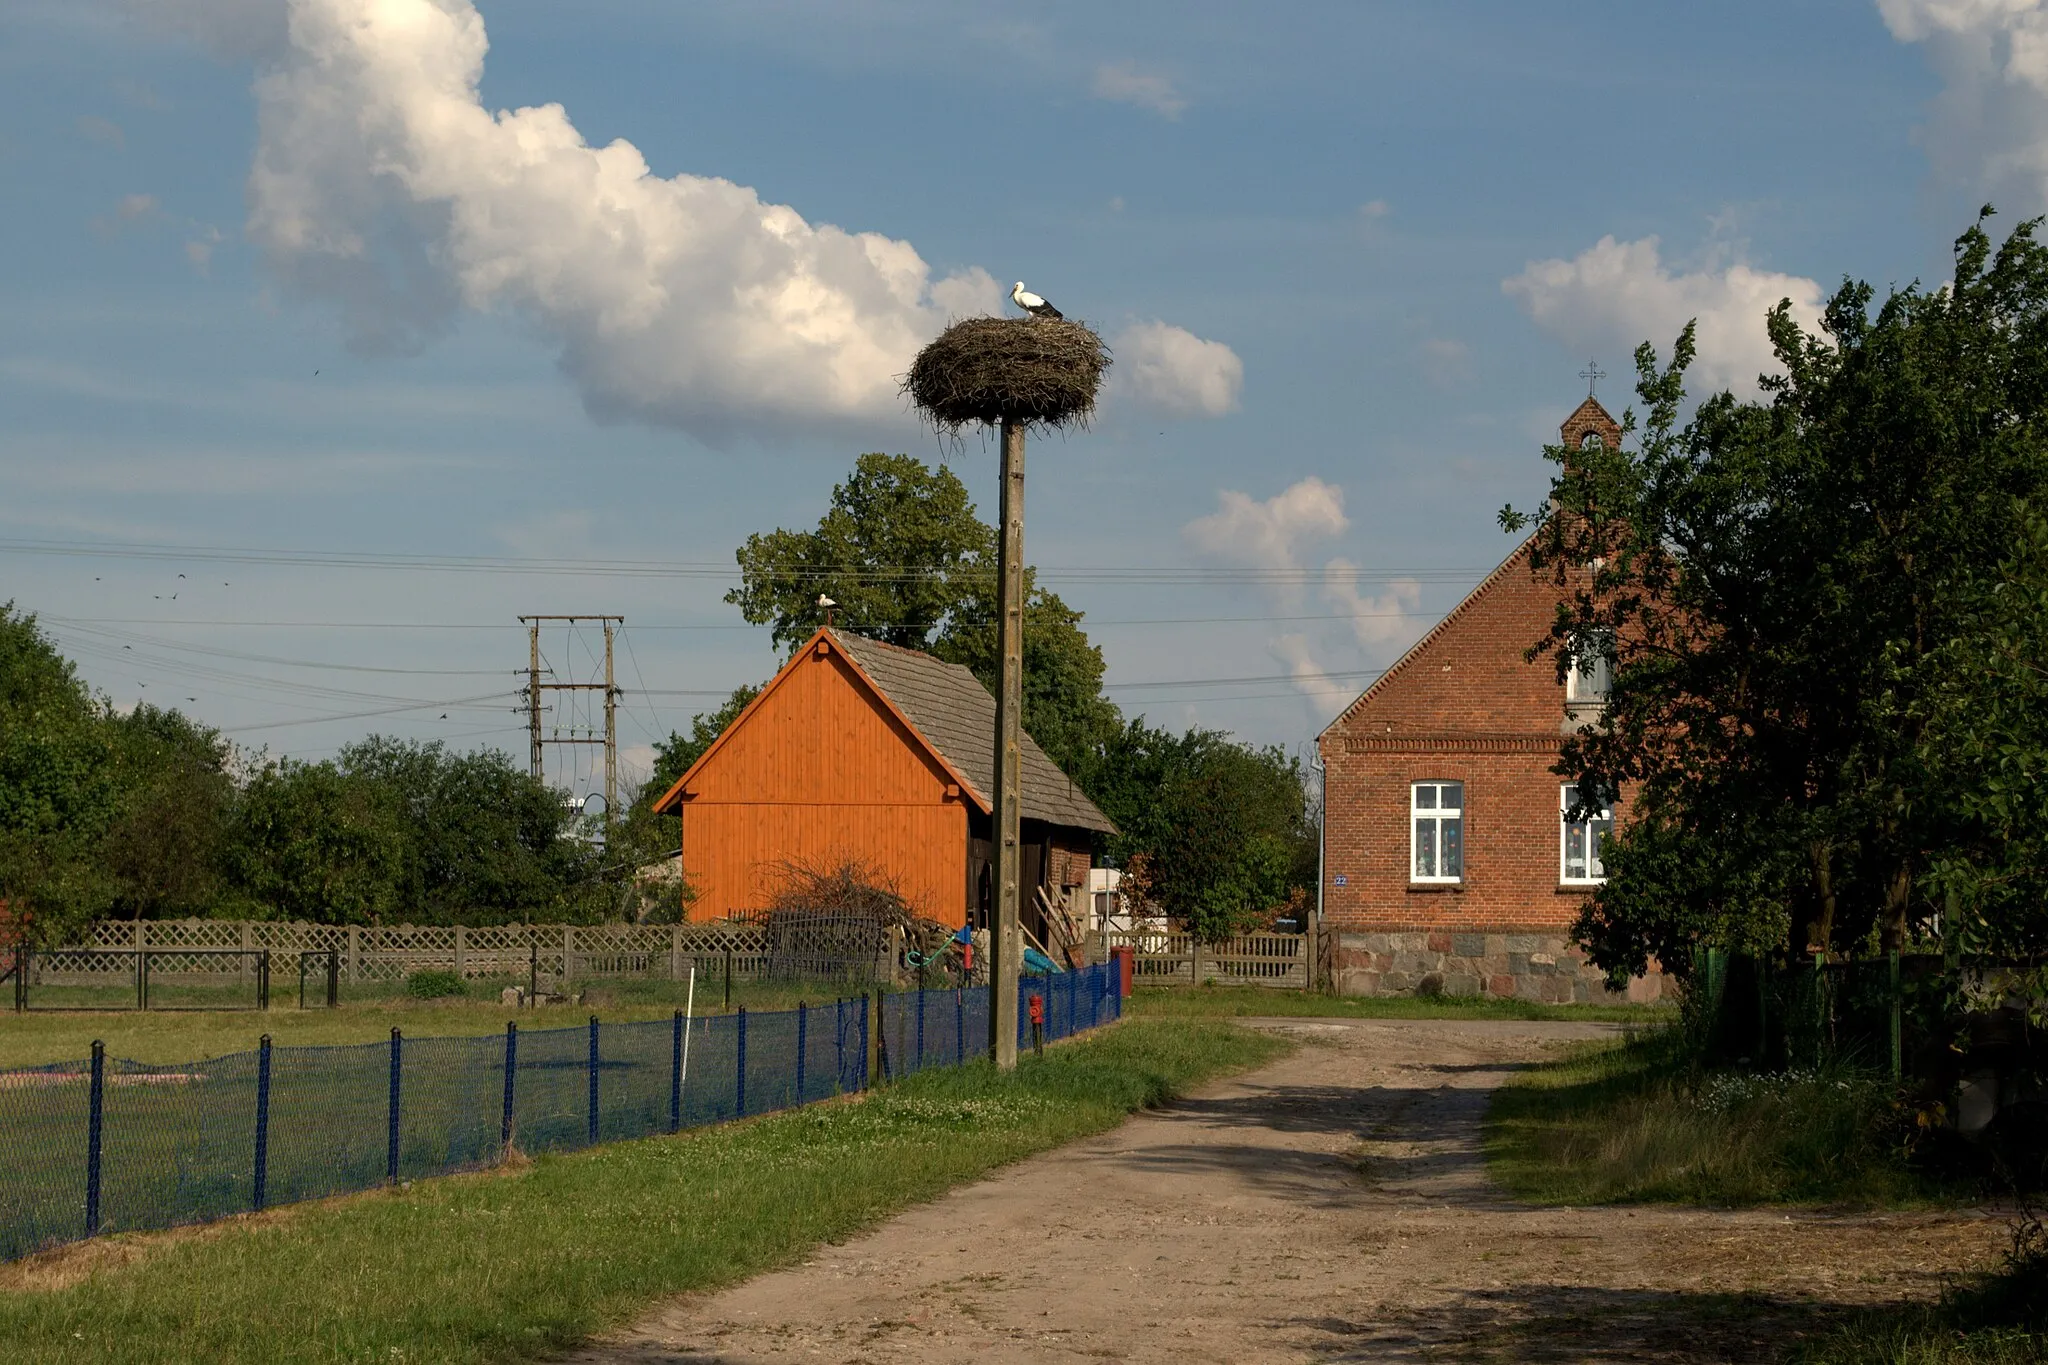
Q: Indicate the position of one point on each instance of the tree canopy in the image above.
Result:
(1826, 614)
(904, 554)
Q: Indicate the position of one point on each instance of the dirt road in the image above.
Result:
(1331, 1207)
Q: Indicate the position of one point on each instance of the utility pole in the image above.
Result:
(535, 687)
(1007, 942)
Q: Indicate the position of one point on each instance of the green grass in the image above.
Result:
(518, 1265)
(1629, 1122)
(1227, 1002)
(367, 1016)
(1996, 1318)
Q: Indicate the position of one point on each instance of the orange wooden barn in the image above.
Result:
(864, 751)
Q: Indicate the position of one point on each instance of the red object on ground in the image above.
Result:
(1038, 1009)
(1126, 959)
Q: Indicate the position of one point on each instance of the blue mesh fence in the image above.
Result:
(108, 1145)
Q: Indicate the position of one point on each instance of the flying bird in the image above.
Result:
(1033, 303)
(181, 575)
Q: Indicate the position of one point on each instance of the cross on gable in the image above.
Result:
(1592, 374)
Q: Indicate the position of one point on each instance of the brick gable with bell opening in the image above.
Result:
(1463, 705)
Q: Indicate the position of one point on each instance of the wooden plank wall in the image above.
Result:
(821, 771)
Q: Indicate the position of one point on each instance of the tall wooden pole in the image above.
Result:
(1007, 942)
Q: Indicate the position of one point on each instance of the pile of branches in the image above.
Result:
(1033, 371)
(827, 919)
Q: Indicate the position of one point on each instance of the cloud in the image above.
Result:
(1124, 83)
(1376, 618)
(1269, 535)
(1989, 125)
(1446, 363)
(1328, 694)
(133, 206)
(1175, 372)
(104, 131)
(1615, 295)
(1373, 210)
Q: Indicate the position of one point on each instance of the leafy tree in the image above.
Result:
(1219, 833)
(312, 842)
(58, 788)
(166, 842)
(903, 553)
(1817, 688)
(481, 838)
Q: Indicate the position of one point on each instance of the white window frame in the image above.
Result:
(1436, 813)
(1594, 685)
(1596, 829)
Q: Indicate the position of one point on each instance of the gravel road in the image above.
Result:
(1330, 1207)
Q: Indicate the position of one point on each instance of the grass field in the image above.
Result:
(368, 1015)
(1227, 1002)
(1629, 1122)
(520, 1264)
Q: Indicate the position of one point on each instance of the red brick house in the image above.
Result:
(1448, 864)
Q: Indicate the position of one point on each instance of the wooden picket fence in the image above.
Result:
(1167, 956)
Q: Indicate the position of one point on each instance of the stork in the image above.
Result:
(1033, 303)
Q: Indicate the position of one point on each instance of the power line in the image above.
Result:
(644, 568)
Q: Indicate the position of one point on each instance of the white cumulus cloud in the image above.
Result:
(1376, 618)
(1172, 371)
(1614, 295)
(1126, 83)
(382, 184)
(1270, 534)
(1989, 125)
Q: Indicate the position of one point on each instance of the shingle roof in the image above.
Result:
(957, 716)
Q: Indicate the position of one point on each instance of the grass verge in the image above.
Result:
(1998, 1318)
(1226, 1002)
(522, 1263)
(164, 1037)
(1630, 1123)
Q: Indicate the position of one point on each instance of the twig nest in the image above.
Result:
(1036, 371)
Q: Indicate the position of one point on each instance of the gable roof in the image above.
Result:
(948, 706)
(1518, 556)
(948, 710)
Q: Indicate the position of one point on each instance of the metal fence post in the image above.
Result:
(141, 991)
(263, 981)
(802, 1043)
(262, 1181)
(21, 976)
(94, 1118)
(839, 1044)
(593, 1078)
(739, 1085)
(391, 1143)
(919, 1064)
(511, 1070)
(142, 966)
(675, 1075)
(867, 1045)
(959, 1027)
(333, 977)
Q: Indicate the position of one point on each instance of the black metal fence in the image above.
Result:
(143, 979)
(103, 1145)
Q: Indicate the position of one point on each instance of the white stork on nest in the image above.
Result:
(1032, 303)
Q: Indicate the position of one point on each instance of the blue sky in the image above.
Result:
(268, 283)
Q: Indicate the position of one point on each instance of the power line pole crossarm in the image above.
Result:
(535, 688)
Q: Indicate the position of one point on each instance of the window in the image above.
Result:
(1583, 838)
(1591, 678)
(1437, 817)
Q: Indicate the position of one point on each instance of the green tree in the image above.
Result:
(1796, 592)
(903, 553)
(1220, 834)
(167, 839)
(312, 842)
(59, 790)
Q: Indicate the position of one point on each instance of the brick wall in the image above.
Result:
(1463, 706)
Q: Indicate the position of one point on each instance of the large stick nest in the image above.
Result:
(1035, 371)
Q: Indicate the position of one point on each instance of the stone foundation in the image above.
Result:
(1542, 966)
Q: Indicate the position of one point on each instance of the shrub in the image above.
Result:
(434, 985)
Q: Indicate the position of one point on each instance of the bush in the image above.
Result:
(434, 985)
